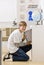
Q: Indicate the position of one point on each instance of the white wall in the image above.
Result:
(42, 7)
(8, 10)
(23, 13)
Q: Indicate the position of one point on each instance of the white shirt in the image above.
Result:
(15, 37)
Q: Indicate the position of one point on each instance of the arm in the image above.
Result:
(24, 37)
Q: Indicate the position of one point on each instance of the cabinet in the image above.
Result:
(38, 43)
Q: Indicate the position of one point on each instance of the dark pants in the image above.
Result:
(20, 54)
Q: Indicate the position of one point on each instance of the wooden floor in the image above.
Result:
(22, 63)
(10, 62)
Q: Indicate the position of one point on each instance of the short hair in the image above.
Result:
(22, 23)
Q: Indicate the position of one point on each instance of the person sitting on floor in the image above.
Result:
(15, 41)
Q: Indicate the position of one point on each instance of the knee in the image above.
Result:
(27, 58)
(30, 45)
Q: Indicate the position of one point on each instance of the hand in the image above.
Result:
(29, 42)
(24, 37)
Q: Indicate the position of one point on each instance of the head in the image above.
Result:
(22, 26)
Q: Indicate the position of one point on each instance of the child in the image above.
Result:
(15, 41)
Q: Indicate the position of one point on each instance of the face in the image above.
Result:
(22, 28)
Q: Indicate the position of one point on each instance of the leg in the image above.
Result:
(26, 48)
(20, 55)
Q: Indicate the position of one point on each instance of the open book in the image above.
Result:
(28, 35)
